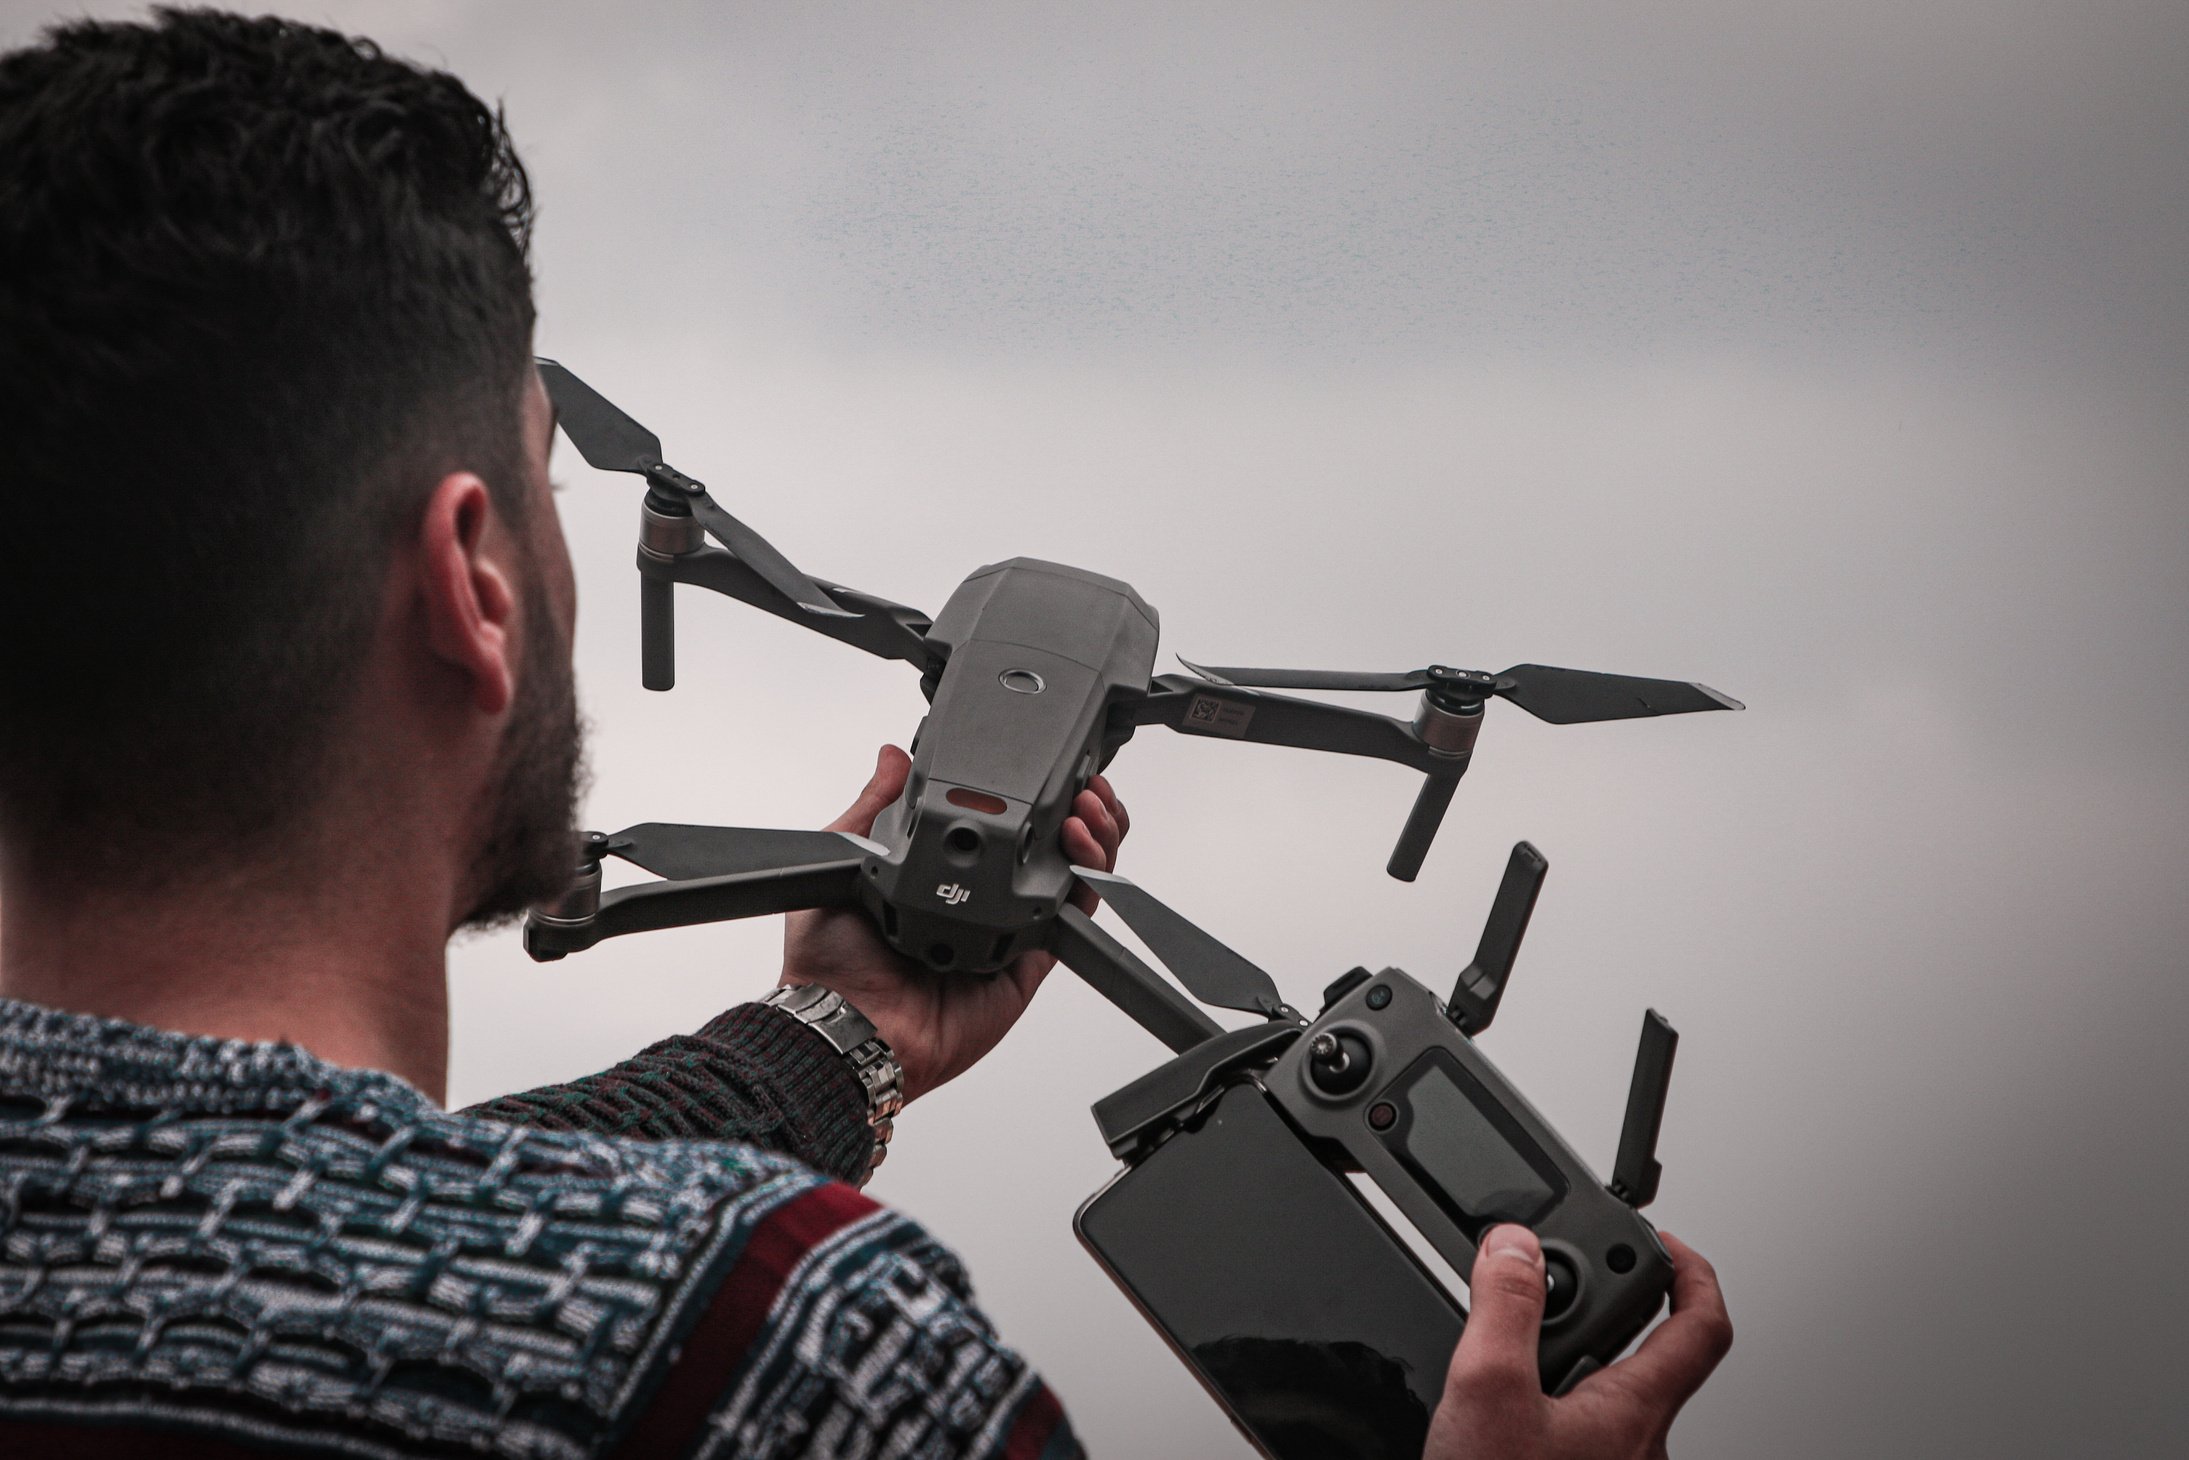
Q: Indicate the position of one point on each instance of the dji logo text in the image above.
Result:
(952, 894)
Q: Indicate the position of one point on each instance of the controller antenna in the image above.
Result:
(1481, 984)
(1635, 1173)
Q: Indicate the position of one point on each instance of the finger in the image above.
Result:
(1100, 785)
(1028, 972)
(891, 767)
(1495, 1366)
(1082, 848)
(1672, 1362)
(1088, 807)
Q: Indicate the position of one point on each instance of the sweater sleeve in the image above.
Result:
(843, 1328)
(754, 1075)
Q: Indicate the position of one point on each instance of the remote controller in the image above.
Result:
(1237, 1230)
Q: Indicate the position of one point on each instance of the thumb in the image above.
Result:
(884, 786)
(1496, 1361)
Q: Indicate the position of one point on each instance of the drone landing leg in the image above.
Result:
(1421, 826)
(657, 632)
(1144, 995)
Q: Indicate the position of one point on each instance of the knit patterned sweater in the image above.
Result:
(211, 1248)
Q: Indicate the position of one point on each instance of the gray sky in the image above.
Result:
(1836, 356)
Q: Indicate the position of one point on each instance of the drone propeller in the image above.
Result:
(609, 440)
(1212, 972)
(1451, 715)
(683, 853)
(1561, 696)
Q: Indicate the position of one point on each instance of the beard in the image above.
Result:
(530, 850)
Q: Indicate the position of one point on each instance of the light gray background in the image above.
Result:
(1834, 355)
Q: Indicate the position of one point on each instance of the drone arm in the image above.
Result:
(1144, 995)
(889, 630)
(652, 905)
(1197, 707)
(898, 632)
(1200, 707)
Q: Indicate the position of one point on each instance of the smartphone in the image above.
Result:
(1285, 1293)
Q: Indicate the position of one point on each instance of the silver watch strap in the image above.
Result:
(852, 1035)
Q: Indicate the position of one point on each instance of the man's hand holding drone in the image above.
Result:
(937, 1025)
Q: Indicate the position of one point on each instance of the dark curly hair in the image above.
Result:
(261, 286)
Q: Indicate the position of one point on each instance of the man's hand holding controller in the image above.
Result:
(1494, 1407)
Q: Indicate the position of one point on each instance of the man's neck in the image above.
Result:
(351, 967)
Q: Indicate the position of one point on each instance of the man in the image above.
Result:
(286, 699)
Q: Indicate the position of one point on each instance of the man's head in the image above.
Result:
(264, 305)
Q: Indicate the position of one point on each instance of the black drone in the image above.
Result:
(1035, 674)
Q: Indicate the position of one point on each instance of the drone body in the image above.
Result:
(1034, 659)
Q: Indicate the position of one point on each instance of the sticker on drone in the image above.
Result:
(1208, 715)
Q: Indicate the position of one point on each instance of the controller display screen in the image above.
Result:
(1470, 1154)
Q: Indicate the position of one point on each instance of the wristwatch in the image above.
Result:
(852, 1035)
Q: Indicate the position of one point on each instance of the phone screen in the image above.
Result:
(1285, 1293)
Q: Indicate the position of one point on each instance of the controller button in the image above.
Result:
(1562, 1284)
(1620, 1258)
(1383, 1115)
(1379, 996)
(1344, 984)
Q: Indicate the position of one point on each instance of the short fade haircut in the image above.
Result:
(261, 286)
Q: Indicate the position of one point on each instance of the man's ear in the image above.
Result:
(468, 599)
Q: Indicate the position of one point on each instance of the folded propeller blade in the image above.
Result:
(682, 853)
(1561, 696)
(760, 555)
(609, 440)
(1211, 972)
(1573, 696)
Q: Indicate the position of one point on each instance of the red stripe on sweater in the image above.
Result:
(41, 1441)
(718, 1343)
(1035, 1425)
